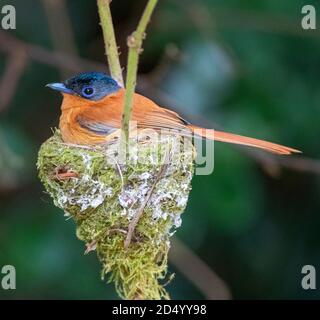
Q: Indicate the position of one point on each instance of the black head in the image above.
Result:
(89, 85)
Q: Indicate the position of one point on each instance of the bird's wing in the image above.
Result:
(150, 115)
(105, 117)
(99, 128)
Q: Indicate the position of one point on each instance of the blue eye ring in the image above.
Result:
(88, 92)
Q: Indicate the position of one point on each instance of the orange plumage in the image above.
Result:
(92, 111)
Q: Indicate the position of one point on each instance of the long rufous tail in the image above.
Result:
(236, 139)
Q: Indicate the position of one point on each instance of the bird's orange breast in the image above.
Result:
(71, 130)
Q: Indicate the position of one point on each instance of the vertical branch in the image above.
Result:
(135, 48)
(110, 40)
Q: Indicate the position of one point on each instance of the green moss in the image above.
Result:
(105, 196)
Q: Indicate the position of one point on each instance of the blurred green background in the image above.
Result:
(241, 65)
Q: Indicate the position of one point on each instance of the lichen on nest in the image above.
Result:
(103, 197)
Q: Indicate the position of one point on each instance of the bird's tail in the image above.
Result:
(236, 139)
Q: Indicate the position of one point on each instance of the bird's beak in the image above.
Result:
(59, 87)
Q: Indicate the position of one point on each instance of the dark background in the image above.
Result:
(244, 66)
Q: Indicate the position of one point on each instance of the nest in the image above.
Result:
(125, 212)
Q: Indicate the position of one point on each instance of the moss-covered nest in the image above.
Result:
(104, 197)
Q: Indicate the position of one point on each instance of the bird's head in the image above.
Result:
(92, 86)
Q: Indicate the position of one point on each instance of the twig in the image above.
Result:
(138, 215)
(9, 44)
(110, 40)
(13, 71)
(119, 171)
(198, 272)
(274, 164)
(135, 48)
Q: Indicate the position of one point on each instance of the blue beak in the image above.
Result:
(59, 87)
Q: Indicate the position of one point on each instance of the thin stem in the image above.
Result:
(135, 48)
(138, 215)
(110, 41)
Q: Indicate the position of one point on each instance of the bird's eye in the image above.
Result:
(88, 92)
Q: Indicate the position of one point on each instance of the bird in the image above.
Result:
(92, 108)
